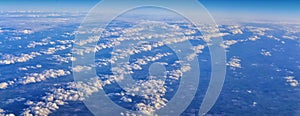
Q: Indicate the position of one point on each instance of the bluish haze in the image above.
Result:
(272, 9)
(288, 6)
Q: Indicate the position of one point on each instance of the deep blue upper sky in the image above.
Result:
(254, 5)
(244, 5)
(290, 8)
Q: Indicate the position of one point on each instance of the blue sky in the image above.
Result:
(229, 5)
(288, 8)
(283, 8)
(254, 5)
(47, 5)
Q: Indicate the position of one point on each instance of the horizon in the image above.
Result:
(246, 10)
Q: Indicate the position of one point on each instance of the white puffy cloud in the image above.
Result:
(11, 59)
(254, 38)
(76, 91)
(91, 39)
(3, 85)
(228, 43)
(265, 52)
(62, 59)
(34, 44)
(234, 63)
(254, 104)
(174, 34)
(39, 66)
(30, 67)
(258, 30)
(152, 90)
(56, 48)
(235, 29)
(14, 38)
(191, 57)
(292, 81)
(207, 38)
(36, 77)
(198, 49)
(81, 68)
(292, 37)
(1, 111)
(126, 67)
(65, 42)
(26, 31)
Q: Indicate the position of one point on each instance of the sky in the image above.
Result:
(47, 5)
(229, 8)
(272, 9)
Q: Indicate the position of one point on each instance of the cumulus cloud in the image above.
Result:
(26, 31)
(265, 52)
(254, 104)
(291, 37)
(198, 49)
(56, 48)
(35, 77)
(254, 38)
(173, 35)
(81, 68)
(34, 44)
(62, 59)
(91, 39)
(235, 29)
(126, 67)
(292, 81)
(152, 90)
(3, 113)
(75, 91)
(234, 63)
(228, 43)
(30, 67)
(11, 59)
(3, 85)
(258, 30)
(191, 57)
(207, 38)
